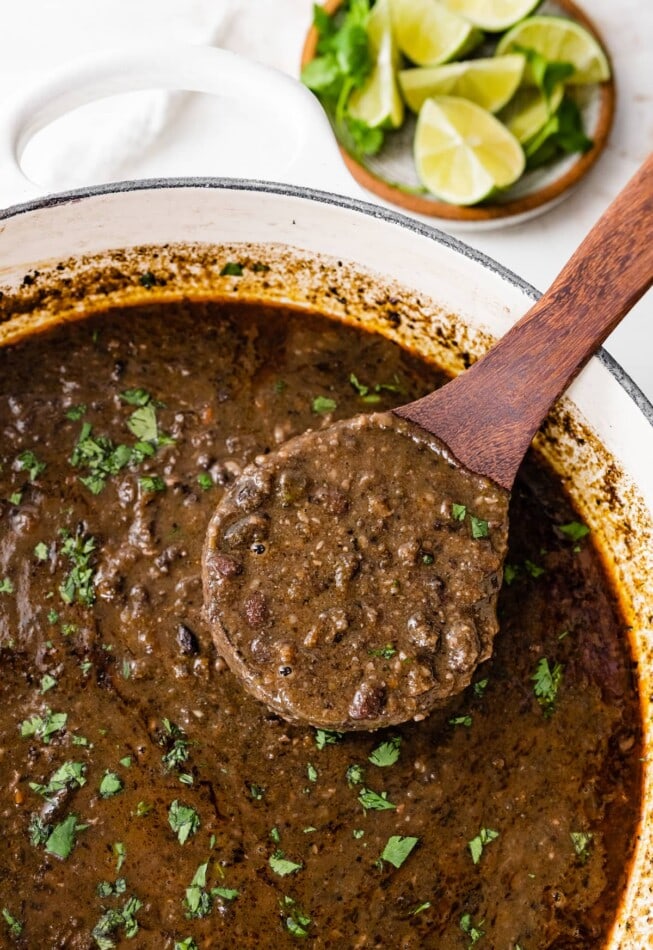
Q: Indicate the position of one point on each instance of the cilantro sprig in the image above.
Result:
(343, 63)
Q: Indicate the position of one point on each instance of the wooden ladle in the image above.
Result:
(351, 576)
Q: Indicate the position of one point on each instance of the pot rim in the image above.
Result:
(352, 204)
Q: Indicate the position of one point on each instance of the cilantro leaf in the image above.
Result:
(61, 840)
(282, 866)
(110, 785)
(296, 919)
(6, 586)
(152, 483)
(68, 775)
(397, 849)
(483, 838)
(372, 801)
(458, 512)
(582, 841)
(480, 528)
(546, 682)
(322, 404)
(78, 583)
(186, 944)
(28, 462)
(15, 926)
(112, 920)
(226, 893)
(324, 737)
(43, 727)
(183, 820)
(136, 397)
(472, 930)
(355, 775)
(387, 753)
(574, 530)
(142, 423)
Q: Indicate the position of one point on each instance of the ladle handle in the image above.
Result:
(489, 414)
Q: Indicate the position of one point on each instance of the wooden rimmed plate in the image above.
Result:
(391, 174)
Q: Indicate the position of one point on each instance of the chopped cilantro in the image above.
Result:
(397, 849)
(232, 269)
(533, 569)
(126, 761)
(104, 932)
(28, 462)
(37, 830)
(107, 889)
(61, 840)
(183, 820)
(371, 801)
(546, 682)
(295, 919)
(152, 483)
(387, 753)
(78, 583)
(75, 413)
(582, 841)
(282, 866)
(47, 682)
(142, 423)
(461, 721)
(205, 481)
(110, 785)
(68, 775)
(186, 944)
(177, 746)
(226, 893)
(355, 775)
(311, 771)
(6, 586)
(358, 833)
(458, 512)
(121, 853)
(510, 572)
(198, 901)
(574, 530)
(14, 925)
(100, 457)
(256, 791)
(43, 727)
(279, 386)
(15, 498)
(136, 397)
(324, 737)
(384, 653)
(477, 844)
(479, 687)
(41, 551)
(480, 528)
(472, 930)
(420, 908)
(186, 778)
(274, 835)
(322, 404)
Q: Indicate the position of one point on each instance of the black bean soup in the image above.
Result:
(149, 801)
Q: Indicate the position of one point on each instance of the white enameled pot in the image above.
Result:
(355, 261)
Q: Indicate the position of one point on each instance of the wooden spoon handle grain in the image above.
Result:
(488, 415)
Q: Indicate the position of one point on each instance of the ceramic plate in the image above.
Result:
(391, 174)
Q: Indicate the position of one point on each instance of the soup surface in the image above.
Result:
(147, 797)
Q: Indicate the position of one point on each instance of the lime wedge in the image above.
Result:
(528, 111)
(559, 41)
(428, 34)
(487, 82)
(492, 15)
(462, 153)
(378, 102)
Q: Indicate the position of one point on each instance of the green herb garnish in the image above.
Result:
(582, 841)
(78, 583)
(387, 753)
(205, 481)
(112, 920)
(372, 801)
(397, 849)
(232, 269)
(15, 926)
(68, 775)
(6, 586)
(384, 653)
(322, 405)
(325, 737)
(183, 820)
(574, 530)
(43, 727)
(110, 785)
(458, 512)
(546, 682)
(61, 840)
(472, 930)
(477, 844)
(28, 462)
(282, 866)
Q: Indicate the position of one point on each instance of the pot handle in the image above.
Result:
(313, 157)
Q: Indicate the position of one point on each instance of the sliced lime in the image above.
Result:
(428, 34)
(487, 82)
(378, 102)
(558, 40)
(462, 153)
(492, 15)
(529, 111)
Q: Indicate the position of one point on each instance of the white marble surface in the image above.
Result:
(150, 134)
